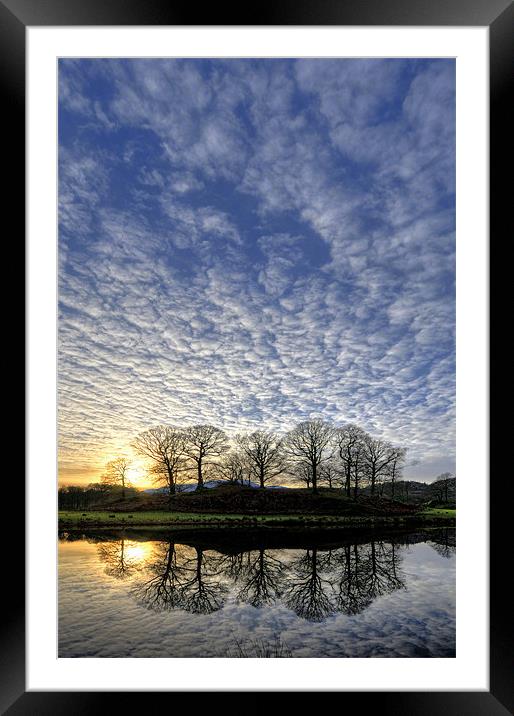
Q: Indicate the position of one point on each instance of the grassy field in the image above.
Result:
(84, 520)
(439, 512)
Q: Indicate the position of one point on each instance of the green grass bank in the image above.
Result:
(124, 520)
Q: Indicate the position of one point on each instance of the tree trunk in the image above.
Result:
(314, 480)
(356, 485)
(200, 476)
(373, 480)
(261, 476)
(348, 481)
(171, 481)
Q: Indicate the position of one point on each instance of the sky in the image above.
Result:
(251, 243)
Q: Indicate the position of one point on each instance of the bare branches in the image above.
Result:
(165, 447)
(378, 454)
(395, 467)
(265, 455)
(310, 442)
(234, 467)
(116, 473)
(314, 452)
(202, 443)
(349, 445)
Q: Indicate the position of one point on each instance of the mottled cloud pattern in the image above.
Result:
(255, 242)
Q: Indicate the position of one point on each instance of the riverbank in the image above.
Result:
(123, 520)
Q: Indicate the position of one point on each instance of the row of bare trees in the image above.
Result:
(314, 453)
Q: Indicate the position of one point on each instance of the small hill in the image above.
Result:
(227, 499)
(410, 491)
(208, 485)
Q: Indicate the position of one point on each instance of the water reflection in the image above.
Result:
(219, 593)
(258, 575)
(313, 577)
(123, 558)
(444, 542)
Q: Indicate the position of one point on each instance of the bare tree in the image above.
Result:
(442, 484)
(378, 455)
(265, 455)
(233, 467)
(164, 446)
(301, 472)
(116, 473)
(309, 442)
(330, 473)
(349, 440)
(358, 472)
(204, 442)
(395, 467)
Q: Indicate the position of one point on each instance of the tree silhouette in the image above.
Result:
(309, 442)
(119, 563)
(307, 593)
(163, 591)
(329, 473)
(381, 569)
(442, 485)
(302, 472)
(164, 446)
(443, 541)
(202, 443)
(261, 579)
(367, 572)
(116, 473)
(350, 442)
(378, 455)
(233, 467)
(265, 455)
(352, 596)
(202, 592)
(395, 467)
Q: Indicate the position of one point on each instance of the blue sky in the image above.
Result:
(255, 242)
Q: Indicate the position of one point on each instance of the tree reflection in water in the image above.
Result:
(443, 541)
(163, 590)
(260, 580)
(182, 579)
(309, 592)
(203, 592)
(122, 560)
(314, 582)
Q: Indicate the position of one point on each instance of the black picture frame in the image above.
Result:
(498, 15)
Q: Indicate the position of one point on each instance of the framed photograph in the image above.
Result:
(258, 354)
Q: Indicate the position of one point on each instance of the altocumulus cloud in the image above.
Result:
(251, 243)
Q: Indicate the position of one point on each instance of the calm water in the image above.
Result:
(239, 594)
